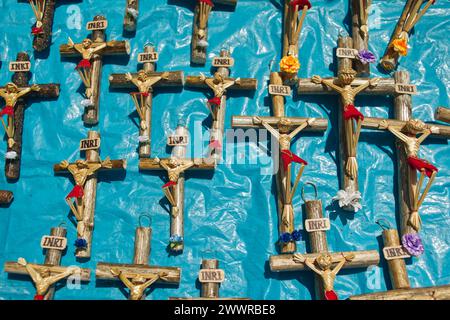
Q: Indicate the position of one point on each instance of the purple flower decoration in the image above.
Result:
(413, 244)
(365, 56)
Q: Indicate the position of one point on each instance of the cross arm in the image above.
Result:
(362, 259)
(103, 271)
(226, 2)
(175, 78)
(113, 48)
(116, 165)
(199, 164)
(430, 293)
(384, 86)
(442, 114)
(373, 123)
(243, 84)
(320, 124)
(50, 90)
(15, 268)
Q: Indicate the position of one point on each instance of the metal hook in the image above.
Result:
(149, 43)
(271, 65)
(303, 190)
(62, 225)
(384, 224)
(146, 215)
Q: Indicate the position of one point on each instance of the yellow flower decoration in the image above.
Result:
(289, 64)
(401, 46)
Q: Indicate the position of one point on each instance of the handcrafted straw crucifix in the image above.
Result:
(175, 166)
(326, 265)
(283, 129)
(46, 275)
(44, 11)
(442, 114)
(139, 275)
(15, 94)
(82, 198)
(199, 42)
(398, 44)
(131, 15)
(145, 80)
(220, 84)
(410, 134)
(294, 16)
(394, 253)
(347, 86)
(90, 67)
(210, 277)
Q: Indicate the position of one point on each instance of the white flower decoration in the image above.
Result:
(144, 139)
(202, 43)
(87, 103)
(348, 198)
(133, 12)
(11, 155)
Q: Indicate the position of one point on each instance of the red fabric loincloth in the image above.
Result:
(301, 3)
(38, 297)
(145, 94)
(288, 157)
(169, 184)
(8, 110)
(421, 164)
(350, 112)
(215, 144)
(77, 192)
(85, 63)
(331, 295)
(208, 2)
(215, 101)
(37, 30)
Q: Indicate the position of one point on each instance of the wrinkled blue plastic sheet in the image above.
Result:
(230, 215)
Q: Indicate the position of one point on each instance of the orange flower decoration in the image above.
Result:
(401, 46)
(289, 64)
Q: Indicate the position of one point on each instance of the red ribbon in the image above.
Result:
(288, 157)
(145, 94)
(8, 110)
(215, 144)
(208, 2)
(350, 112)
(39, 297)
(37, 30)
(169, 184)
(331, 295)
(301, 3)
(421, 164)
(85, 63)
(215, 101)
(77, 192)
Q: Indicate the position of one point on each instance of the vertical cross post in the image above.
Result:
(210, 277)
(359, 10)
(442, 114)
(131, 15)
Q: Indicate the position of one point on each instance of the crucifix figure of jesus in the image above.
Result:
(11, 94)
(353, 118)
